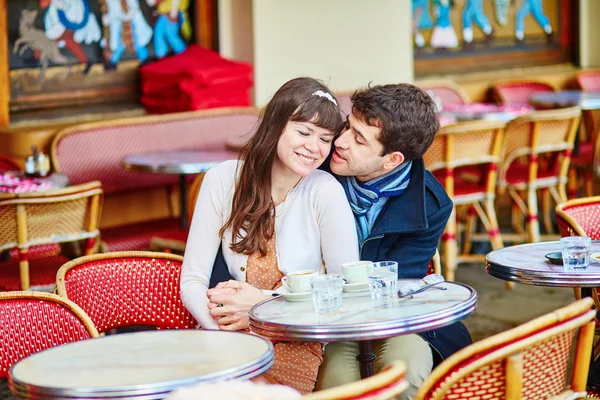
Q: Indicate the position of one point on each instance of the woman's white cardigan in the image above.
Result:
(314, 229)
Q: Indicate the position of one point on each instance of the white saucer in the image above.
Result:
(595, 257)
(356, 287)
(291, 296)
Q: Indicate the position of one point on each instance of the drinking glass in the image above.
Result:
(392, 266)
(327, 292)
(382, 282)
(575, 252)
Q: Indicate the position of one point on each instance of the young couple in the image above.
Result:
(274, 213)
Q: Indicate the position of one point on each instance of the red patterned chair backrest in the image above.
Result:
(8, 164)
(448, 91)
(589, 80)
(32, 322)
(527, 362)
(518, 92)
(94, 151)
(127, 288)
(579, 217)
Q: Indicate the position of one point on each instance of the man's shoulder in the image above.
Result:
(434, 191)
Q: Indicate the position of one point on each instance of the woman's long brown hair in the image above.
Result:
(252, 219)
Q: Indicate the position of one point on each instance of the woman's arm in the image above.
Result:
(339, 242)
(201, 248)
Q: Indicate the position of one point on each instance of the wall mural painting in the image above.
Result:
(476, 25)
(58, 46)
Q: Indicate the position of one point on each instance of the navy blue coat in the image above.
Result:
(407, 230)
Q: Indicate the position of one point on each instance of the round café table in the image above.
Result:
(181, 163)
(363, 319)
(485, 111)
(141, 365)
(566, 98)
(526, 263)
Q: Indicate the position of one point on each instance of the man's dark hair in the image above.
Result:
(406, 115)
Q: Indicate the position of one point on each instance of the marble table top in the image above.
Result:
(527, 264)
(362, 318)
(144, 364)
(567, 98)
(176, 162)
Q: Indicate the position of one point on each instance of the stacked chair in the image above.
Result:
(518, 92)
(448, 91)
(40, 221)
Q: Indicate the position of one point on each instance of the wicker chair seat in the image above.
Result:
(138, 236)
(43, 272)
(127, 289)
(43, 250)
(518, 174)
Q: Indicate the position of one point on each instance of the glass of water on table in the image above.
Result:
(575, 252)
(383, 279)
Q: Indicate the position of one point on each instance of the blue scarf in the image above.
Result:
(363, 195)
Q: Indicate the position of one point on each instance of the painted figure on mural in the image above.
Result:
(473, 13)
(171, 14)
(421, 20)
(118, 13)
(44, 49)
(535, 8)
(443, 36)
(70, 23)
(501, 8)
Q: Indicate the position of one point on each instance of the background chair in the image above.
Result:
(39, 218)
(387, 384)
(33, 321)
(9, 164)
(526, 362)
(464, 158)
(175, 241)
(518, 91)
(589, 79)
(127, 288)
(536, 155)
(448, 91)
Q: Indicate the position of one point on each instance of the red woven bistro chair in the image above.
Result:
(448, 91)
(32, 220)
(9, 164)
(528, 362)
(518, 91)
(464, 158)
(536, 156)
(387, 384)
(34, 321)
(127, 288)
(589, 79)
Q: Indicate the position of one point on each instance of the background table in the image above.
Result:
(362, 319)
(567, 98)
(485, 111)
(147, 365)
(177, 162)
(526, 263)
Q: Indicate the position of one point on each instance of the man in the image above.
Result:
(401, 211)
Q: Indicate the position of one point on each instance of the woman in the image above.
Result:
(271, 214)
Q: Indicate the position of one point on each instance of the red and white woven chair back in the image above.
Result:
(518, 92)
(448, 91)
(32, 321)
(527, 362)
(127, 288)
(579, 217)
(8, 164)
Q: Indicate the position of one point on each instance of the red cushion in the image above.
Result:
(203, 67)
(138, 236)
(172, 101)
(585, 155)
(519, 173)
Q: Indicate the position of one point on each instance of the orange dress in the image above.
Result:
(296, 363)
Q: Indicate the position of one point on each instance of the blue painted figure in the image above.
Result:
(443, 35)
(421, 20)
(168, 24)
(473, 12)
(533, 7)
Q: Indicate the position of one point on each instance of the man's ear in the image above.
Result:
(393, 160)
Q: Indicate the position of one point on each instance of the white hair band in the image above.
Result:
(328, 96)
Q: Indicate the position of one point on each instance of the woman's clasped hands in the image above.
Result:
(229, 303)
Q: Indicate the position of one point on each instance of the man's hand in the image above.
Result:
(229, 303)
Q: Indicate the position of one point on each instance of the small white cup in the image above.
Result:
(357, 271)
(299, 281)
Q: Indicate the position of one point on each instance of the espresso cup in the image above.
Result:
(299, 281)
(356, 271)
